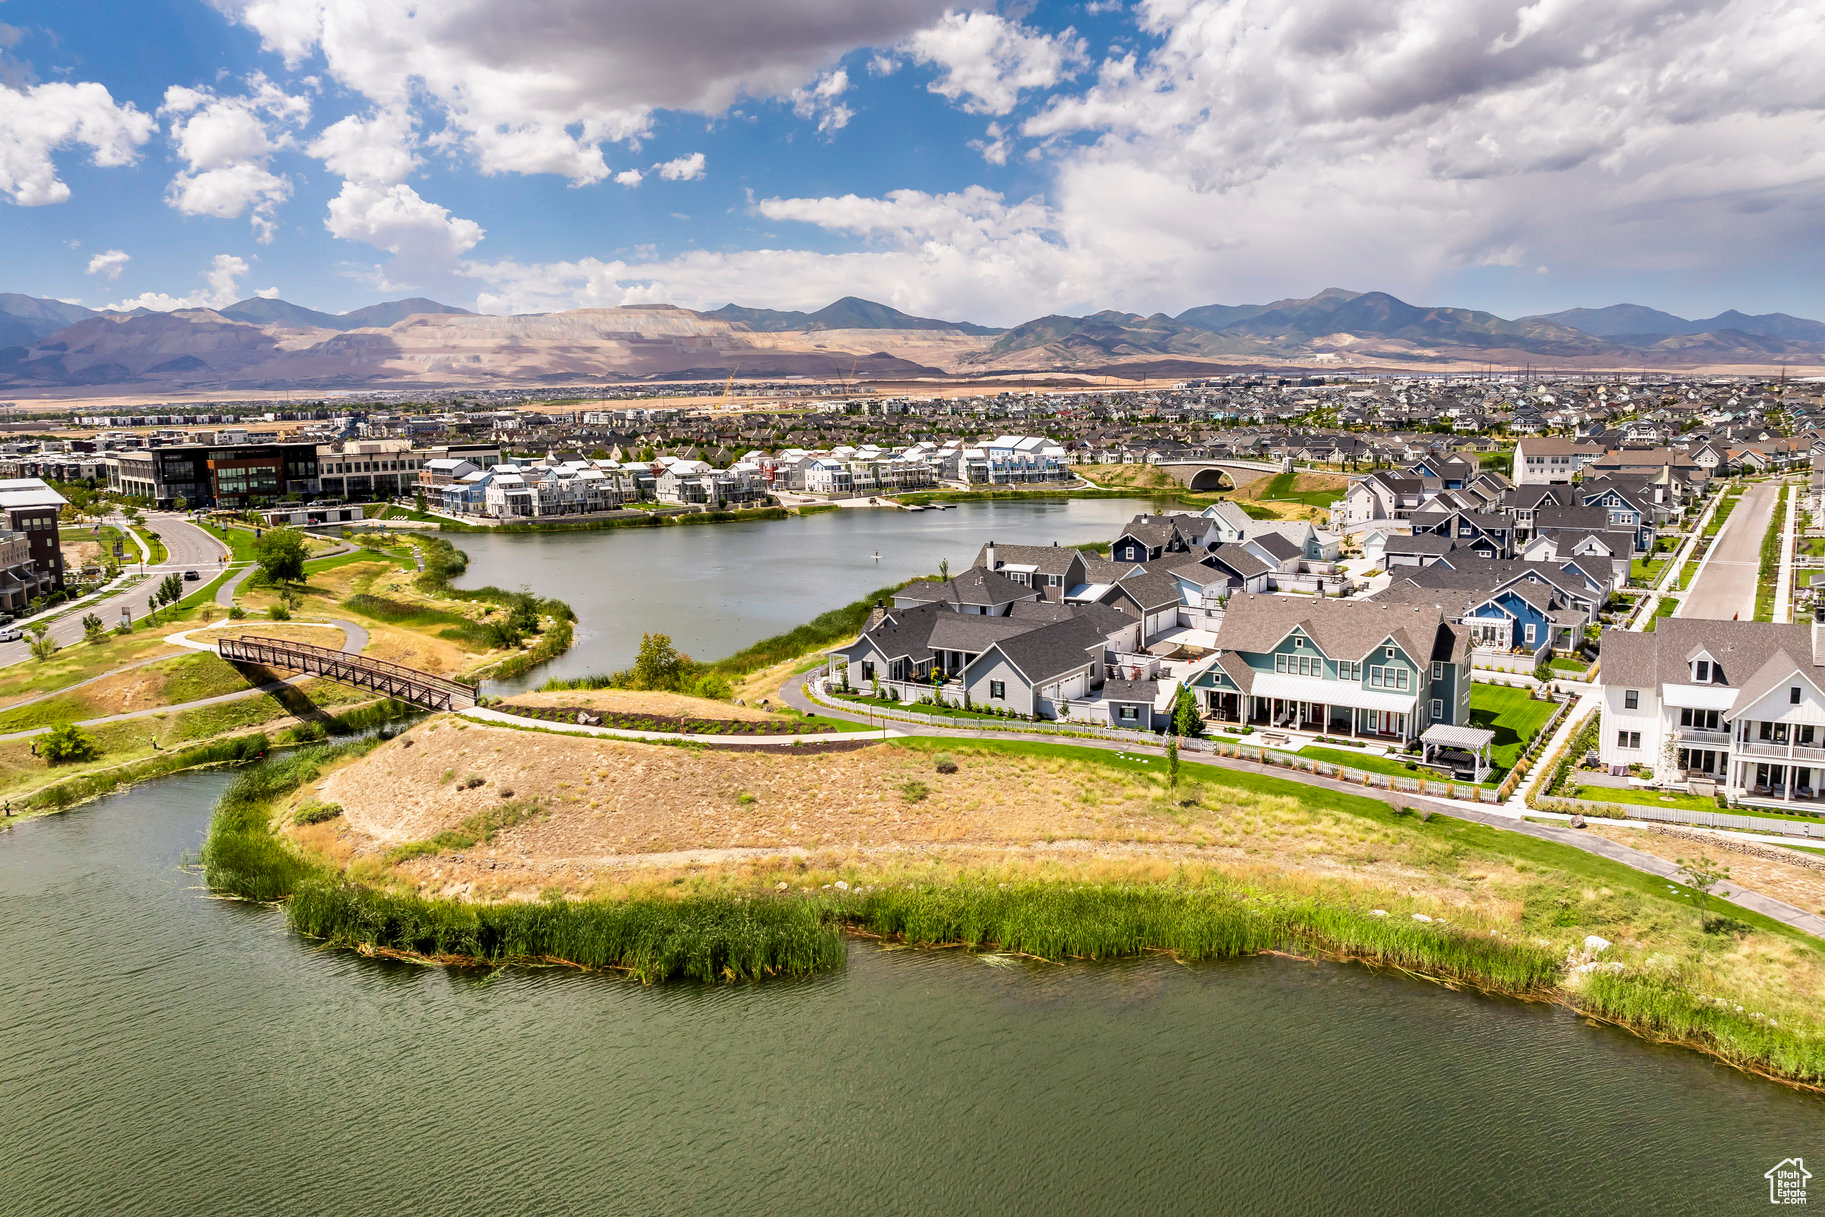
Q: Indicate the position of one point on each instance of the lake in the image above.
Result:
(716, 588)
(170, 1055)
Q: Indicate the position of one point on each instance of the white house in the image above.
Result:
(1739, 702)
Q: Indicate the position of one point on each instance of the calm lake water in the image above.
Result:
(172, 1055)
(716, 588)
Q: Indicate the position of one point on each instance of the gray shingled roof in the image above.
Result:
(976, 587)
(1342, 629)
(1046, 559)
(1741, 649)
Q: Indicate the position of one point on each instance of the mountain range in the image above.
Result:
(51, 348)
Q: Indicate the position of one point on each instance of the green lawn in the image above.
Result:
(1646, 571)
(1571, 667)
(1512, 715)
(1280, 487)
(1375, 763)
(1645, 798)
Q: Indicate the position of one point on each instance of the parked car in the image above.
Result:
(191, 576)
(11, 634)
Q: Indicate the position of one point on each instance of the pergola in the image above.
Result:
(1474, 740)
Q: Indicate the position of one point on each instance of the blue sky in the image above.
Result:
(991, 163)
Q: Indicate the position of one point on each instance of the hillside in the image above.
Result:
(264, 344)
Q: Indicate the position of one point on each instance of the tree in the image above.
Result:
(94, 629)
(1703, 874)
(418, 498)
(659, 665)
(1172, 763)
(281, 553)
(180, 503)
(170, 589)
(1185, 717)
(944, 569)
(43, 645)
(66, 743)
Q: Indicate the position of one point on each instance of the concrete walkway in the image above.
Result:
(355, 638)
(793, 693)
(1783, 577)
(485, 715)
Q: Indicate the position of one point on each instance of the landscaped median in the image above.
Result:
(466, 844)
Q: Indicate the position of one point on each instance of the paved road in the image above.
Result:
(1726, 588)
(190, 549)
(793, 694)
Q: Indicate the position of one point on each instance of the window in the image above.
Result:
(1299, 644)
(1701, 671)
(1628, 739)
(1438, 709)
(1631, 700)
(868, 669)
(1128, 714)
(1793, 695)
(1438, 671)
(998, 690)
(1530, 631)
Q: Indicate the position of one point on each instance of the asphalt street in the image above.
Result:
(190, 548)
(1725, 589)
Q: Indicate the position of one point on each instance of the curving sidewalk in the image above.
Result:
(355, 638)
(1505, 818)
(485, 715)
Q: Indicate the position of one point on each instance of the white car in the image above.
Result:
(11, 634)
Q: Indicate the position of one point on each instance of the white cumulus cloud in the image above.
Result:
(227, 145)
(822, 100)
(682, 169)
(539, 86)
(988, 61)
(37, 120)
(378, 149)
(418, 233)
(221, 287)
(109, 265)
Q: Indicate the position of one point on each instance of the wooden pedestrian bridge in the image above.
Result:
(423, 689)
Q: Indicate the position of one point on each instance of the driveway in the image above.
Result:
(1726, 587)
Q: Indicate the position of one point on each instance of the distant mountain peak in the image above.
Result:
(848, 313)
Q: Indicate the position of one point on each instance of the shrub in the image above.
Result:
(315, 811)
(945, 763)
(914, 792)
(279, 612)
(236, 613)
(474, 781)
(67, 743)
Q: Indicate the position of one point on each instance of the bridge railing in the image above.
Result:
(408, 684)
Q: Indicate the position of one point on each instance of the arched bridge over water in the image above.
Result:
(1220, 475)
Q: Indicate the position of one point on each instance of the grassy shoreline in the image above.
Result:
(747, 928)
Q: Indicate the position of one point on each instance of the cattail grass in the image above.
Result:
(1661, 1008)
(1066, 921)
(241, 854)
(714, 938)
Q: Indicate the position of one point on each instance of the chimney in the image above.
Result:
(988, 555)
(874, 618)
(1818, 634)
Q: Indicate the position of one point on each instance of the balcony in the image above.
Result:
(1703, 738)
(1768, 750)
